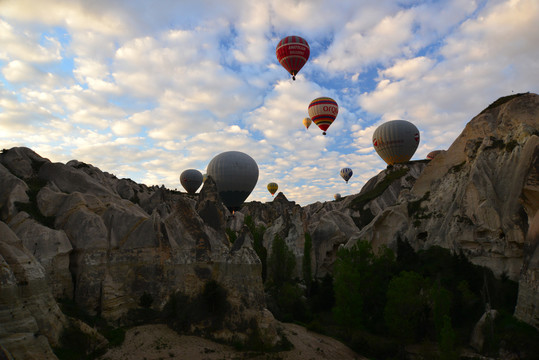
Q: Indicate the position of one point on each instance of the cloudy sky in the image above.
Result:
(147, 89)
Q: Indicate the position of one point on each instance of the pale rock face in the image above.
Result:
(333, 229)
(30, 318)
(471, 197)
(69, 180)
(13, 190)
(50, 247)
(210, 208)
(478, 336)
(527, 308)
(22, 162)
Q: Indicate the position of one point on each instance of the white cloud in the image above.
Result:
(79, 15)
(17, 71)
(27, 46)
(409, 68)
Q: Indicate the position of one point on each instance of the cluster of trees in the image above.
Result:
(380, 302)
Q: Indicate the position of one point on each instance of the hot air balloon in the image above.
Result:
(307, 122)
(433, 154)
(346, 174)
(235, 174)
(191, 180)
(293, 52)
(272, 188)
(337, 196)
(396, 141)
(323, 111)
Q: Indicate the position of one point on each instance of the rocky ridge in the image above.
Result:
(71, 231)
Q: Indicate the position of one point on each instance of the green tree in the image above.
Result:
(348, 300)
(258, 246)
(441, 307)
(406, 307)
(322, 294)
(306, 265)
(281, 263)
(360, 284)
(286, 297)
(448, 350)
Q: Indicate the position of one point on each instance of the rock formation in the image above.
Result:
(68, 231)
(71, 231)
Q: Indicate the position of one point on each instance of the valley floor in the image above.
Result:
(153, 342)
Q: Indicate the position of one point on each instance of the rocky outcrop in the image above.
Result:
(50, 247)
(472, 197)
(480, 197)
(104, 243)
(30, 319)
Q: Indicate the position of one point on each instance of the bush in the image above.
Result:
(210, 306)
(406, 307)
(258, 237)
(146, 300)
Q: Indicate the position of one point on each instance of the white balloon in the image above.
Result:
(396, 141)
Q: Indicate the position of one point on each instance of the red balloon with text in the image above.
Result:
(292, 53)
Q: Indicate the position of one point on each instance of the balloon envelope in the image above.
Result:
(323, 111)
(346, 174)
(272, 188)
(292, 53)
(235, 174)
(307, 122)
(396, 141)
(337, 196)
(191, 180)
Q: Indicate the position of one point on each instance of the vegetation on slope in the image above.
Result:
(383, 305)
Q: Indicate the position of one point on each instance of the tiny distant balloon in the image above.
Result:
(292, 53)
(396, 141)
(337, 196)
(307, 122)
(191, 180)
(235, 174)
(346, 174)
(433, 154)
(272, 188)
(323, 111)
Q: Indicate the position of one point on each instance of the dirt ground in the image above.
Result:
(154, 342)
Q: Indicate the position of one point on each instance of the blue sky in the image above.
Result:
(147, 89)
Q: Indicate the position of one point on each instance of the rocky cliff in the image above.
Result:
(71, 231)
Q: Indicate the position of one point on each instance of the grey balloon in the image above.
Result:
(191, 180)
(235, 174)
(396, 141)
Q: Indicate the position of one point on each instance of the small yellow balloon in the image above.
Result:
(307, 122)
(272, 188)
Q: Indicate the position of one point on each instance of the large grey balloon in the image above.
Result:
(396, 141)
(191, 180)
(235, 174)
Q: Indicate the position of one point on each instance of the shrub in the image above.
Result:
(210, 306)
(146, 300)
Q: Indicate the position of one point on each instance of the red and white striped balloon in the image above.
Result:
(292, 53)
